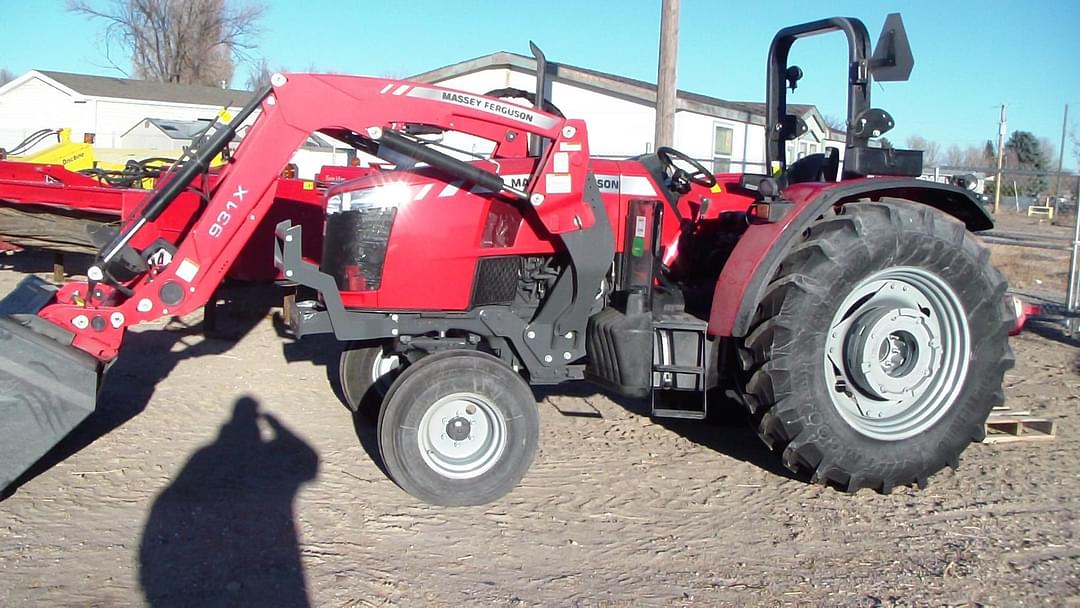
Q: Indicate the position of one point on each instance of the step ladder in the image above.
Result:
(679, 367)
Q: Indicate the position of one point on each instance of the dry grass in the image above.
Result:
(1029, 268)
(1032, 269)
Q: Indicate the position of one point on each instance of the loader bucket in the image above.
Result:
(47, 387)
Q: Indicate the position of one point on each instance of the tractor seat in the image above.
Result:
(815, 168)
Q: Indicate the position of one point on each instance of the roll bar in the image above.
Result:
(891, 61)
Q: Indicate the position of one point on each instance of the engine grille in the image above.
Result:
(354, 247)
(496, 281)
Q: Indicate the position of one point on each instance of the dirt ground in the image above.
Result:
(224, 471)
(1034, 270)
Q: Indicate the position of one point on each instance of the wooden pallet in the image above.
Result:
(1046, 210)
(1006, 425)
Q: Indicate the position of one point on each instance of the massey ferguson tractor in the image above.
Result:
(847, 305)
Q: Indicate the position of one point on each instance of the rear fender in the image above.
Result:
(764, 245)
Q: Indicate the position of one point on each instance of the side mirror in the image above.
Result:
(892, 59)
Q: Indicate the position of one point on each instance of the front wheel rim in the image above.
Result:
(462, 436)
(382, 371)
(896, 353)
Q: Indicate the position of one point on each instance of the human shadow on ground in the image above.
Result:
(325, 351)
(223, 533)
(148, 356)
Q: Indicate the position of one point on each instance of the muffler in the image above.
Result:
(47, 386)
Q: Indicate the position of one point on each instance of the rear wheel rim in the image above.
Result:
(896, 353)
(462, 436)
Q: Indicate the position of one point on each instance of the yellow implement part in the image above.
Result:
(73, 156)
(81, 156)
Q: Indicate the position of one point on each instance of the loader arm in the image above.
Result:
(55, 342)
(97, 313)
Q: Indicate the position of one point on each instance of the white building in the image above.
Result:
(176, 135)
(727, 136)
(105, 106)
(130, 114)
(620, 112)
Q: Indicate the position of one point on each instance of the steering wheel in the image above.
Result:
(680, 179)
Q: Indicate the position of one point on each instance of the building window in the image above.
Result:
(722, 149)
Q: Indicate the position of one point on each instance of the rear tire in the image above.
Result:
(458, 428)
(879, 347)
(366, 373)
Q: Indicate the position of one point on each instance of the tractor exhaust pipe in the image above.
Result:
(536, 146)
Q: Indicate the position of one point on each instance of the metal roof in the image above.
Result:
(620, 86)
(179, 129)
(147, 90)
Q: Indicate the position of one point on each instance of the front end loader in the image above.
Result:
(845, 304)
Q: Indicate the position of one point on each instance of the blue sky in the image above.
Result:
(970, 55)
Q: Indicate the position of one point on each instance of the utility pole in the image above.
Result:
(1002, 123)
(665, 74)
(1061, 154)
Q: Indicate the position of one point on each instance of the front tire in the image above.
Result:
(366, 372)
(458, 428)
(879, 347)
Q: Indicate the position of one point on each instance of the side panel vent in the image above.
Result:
(496, 281)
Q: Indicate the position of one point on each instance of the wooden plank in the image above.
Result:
(1041, 210)
(1006, 426)
(52, 229)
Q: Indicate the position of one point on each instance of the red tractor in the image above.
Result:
(849, 307)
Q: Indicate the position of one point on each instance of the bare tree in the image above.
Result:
(6, 76)
(954, 156)
(975, 158)
(1076, 146)
(931, 149)
(835, 123)
(181, 41)
(259, 74)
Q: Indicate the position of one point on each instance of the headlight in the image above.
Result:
(384, 196)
